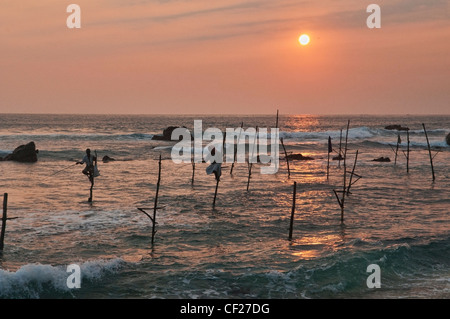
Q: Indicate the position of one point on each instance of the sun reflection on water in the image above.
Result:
(310, 247)
(301, 123)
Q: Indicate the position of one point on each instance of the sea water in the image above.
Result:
(395, 219)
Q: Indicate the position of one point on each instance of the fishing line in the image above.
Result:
(60, 171)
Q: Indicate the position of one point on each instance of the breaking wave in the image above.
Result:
(41, 281)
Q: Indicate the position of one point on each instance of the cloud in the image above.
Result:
(170, 11)
(220, 9)
(413, 11)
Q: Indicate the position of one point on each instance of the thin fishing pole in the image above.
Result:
(62, 170)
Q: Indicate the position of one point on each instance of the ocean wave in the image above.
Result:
(414, 265)
(401, 264)
(353, 133)
(38, 280)
(429, 132)
(403, 145)
(359, 133)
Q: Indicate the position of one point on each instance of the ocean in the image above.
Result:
(239, 249)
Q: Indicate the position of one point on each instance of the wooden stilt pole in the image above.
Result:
(328, 166)
(155, 207)
(353, 173)
(396, 149)
(346, 142)
(218, 176)
(407, 151)
(345, 173)
(249, 175)
(193, 171)
(215, 193)
(235, 148)
(276, 124)
(91, 189)
(291, 226)
(340, 149)
(341, 200)
(328, 157)
(286, 157)
(284, 148)
(4, 218)
(251, 159)
(341, 204)
(91, 177)
(429, 151)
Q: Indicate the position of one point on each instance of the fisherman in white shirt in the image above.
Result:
(88, 159)
(215, 166)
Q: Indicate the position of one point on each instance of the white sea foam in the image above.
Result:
(162, 147)
(32, 280)
(353, 133)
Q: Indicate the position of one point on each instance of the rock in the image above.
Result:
(396, 127)
(24, 154)
(447, 139)
(338, 158)
(381, 159)
(299, 157)
(107, 159)
(167, 134)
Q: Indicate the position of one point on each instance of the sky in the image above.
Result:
(225, 57)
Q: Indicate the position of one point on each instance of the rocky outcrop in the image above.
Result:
(107, 159)
(447, 139)
(24, 153)
(299, 157)
(382, 159)
(167, 134)
(396, 127)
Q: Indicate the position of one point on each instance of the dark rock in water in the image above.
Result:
(447, 139)
(396, 127)
(167, 134)
(107, 159)
(24, 154)
(338, 158)
(382, 159)
(299, 157)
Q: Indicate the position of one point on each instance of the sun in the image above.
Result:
(303, 39)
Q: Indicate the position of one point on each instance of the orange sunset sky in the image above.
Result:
(225, 56)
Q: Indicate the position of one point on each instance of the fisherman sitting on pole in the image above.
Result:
(216, 165)
(89, 160)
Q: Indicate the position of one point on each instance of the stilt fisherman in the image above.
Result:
(89, 160)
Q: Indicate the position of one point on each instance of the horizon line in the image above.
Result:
(231, 114)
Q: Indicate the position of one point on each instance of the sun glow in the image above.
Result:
(304, 39)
